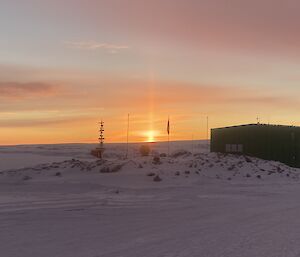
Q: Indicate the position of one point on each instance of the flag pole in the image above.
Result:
(127, 137)
(168, 144)
(168, 130)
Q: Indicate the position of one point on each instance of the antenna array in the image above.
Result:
(101, 135)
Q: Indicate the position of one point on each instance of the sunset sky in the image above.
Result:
(65, 64)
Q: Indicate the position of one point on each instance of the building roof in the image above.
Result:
(259, 125)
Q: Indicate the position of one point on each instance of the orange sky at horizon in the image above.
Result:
(66, 64)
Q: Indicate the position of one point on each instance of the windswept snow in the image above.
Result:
(58, 201)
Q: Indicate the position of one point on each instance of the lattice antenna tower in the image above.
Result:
(101, 134)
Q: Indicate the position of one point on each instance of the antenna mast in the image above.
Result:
(101, 136)
(207, 131)
(98, 151)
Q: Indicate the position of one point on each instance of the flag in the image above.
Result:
(168, 126)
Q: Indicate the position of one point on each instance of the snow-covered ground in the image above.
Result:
(58, 201)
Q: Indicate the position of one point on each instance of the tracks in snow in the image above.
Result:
(89, 201)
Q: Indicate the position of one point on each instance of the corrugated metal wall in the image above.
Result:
(270, 142)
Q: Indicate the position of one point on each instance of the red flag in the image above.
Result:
(168, 126)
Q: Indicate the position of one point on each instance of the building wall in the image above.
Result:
(279, 143)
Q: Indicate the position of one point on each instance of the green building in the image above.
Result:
(269, 142)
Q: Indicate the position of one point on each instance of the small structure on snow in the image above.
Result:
(269, 142)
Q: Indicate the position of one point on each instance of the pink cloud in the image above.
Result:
(257, 25)
(93, 45)
(27, 90)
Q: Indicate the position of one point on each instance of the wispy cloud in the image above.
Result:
(93, 45)
(25, 90)
(37, 118)
(242, 26)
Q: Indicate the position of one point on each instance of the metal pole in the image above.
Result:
(168, 144)
(192, 143)
(127, 137)
(207, 128)
(169, 136)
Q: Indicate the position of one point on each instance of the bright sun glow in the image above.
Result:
(150, 136)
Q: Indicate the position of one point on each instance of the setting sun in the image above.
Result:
(150, 136)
